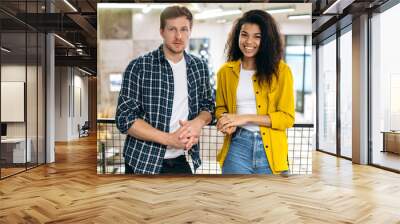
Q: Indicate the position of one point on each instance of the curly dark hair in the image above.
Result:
(270, 51)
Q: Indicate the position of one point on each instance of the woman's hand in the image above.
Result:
(228, 122)
(230, 130)
(220, 125)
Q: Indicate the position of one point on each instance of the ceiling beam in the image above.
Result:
(84, 24)
(85, 61)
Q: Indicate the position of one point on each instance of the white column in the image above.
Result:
(50, 92)
(50, 101)
(360, 90)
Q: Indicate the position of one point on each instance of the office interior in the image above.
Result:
(132, 33)
(51, 102)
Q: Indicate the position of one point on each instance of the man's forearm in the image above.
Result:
(204, 117)
(142, 130)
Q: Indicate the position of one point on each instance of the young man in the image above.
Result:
(165, 101)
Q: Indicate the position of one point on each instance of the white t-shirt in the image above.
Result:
(180, 108)
(245, 98)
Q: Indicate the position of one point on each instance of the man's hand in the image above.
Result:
(191, 132)
(174, 139)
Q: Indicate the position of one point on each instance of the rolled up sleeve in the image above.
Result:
(283, 117)
(221, 104)
(129, 108)
(206, 101)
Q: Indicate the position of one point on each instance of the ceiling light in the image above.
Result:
(5, 50)
(335, 4)
(208, 12)
(279, 10)
(195, 7)
(298, 17)
(70, 5)
(84, 71)
(159, 6)
(121, 6)
(146, 10)
(64, 40)
(221, 21)
(216, 13)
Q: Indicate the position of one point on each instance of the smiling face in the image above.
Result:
(176, 34)
(249, 40)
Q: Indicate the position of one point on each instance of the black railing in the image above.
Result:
(111, 161)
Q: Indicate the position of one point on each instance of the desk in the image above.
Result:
(13, 150)
(391, 141)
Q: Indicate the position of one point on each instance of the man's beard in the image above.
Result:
(173, 50)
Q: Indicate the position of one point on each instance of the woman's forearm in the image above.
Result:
(261, 120)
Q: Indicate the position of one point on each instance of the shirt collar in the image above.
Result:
(235, 65)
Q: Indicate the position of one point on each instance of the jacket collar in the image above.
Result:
(235, 65)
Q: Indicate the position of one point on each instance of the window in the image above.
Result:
(327, 96)
(298, 57)
(346, 94)
(385, 89)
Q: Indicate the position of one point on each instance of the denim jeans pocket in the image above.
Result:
(239, 140)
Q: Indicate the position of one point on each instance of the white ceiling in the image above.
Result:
(300, 8)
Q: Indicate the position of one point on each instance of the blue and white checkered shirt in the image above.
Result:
(147, 93)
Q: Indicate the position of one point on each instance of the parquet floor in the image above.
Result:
(10, 171)
(70, 191)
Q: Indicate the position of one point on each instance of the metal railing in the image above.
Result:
(110, 144)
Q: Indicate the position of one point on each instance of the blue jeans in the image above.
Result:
(246, 154)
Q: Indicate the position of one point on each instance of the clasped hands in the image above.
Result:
(228, 123)
(187, 135)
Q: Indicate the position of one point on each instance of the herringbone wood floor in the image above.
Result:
(70, 191)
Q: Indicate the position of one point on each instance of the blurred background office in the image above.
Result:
(127, 31)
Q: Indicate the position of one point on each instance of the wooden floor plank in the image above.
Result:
(70, 191)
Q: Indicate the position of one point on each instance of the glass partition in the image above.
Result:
(327, 96)
(22, 89)
(385, 89)
(14, 154)
(346, 94)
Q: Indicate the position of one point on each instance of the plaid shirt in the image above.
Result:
(147, 93)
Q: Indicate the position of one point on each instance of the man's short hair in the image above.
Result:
(175, 12)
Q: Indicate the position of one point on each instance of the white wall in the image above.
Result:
(61, 103)
(67, 115)
(33, 126)
(14, 73)
(17, 73)
(80, 84)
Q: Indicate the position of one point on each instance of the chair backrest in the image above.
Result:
(86, 125)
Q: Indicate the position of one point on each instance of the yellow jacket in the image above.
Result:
(277, 101)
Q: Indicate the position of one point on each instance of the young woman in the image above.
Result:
(254, 98)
